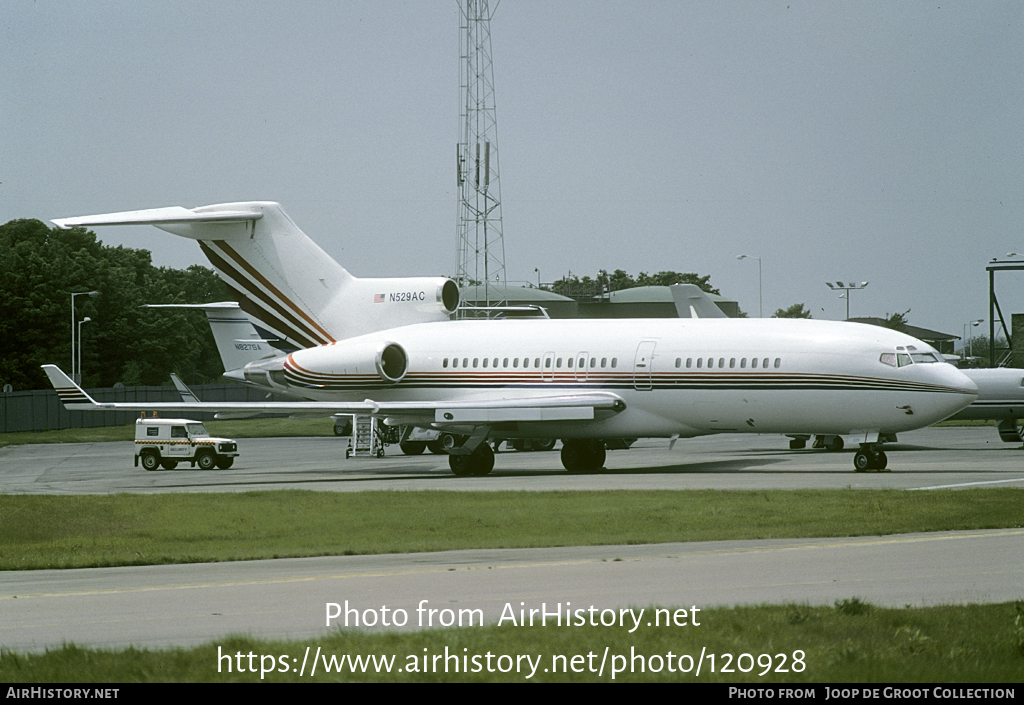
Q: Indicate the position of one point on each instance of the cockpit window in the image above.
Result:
(903, 359)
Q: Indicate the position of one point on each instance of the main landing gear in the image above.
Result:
(870, 458)
(583, 455)
(479, 462)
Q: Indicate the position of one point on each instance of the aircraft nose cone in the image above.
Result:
(963, 390)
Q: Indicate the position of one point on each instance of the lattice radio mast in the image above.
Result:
(481, 247)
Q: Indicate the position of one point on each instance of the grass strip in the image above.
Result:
(851, 642)
(49, 531)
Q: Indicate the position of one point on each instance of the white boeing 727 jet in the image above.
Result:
(386, 347)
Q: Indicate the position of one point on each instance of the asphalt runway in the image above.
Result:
(929, 458)
(163, 606)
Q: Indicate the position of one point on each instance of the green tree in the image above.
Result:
(41, 268)
(794, 311)
(619, 280)
(896, 321)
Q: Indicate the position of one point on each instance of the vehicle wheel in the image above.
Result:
(834, 444)
(206, 461)
(168, 464)
(449, 441)
(413, 447)
(862, 461)
(150, 461)
(225, 463)
(544, 444)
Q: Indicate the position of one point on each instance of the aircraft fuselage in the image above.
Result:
(677, 377)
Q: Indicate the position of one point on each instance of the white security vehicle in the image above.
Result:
(166, 442)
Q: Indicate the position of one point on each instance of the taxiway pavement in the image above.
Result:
(181, 605)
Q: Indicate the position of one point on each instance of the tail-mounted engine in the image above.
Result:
(339, 366)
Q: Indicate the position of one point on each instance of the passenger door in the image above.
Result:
(642, 362)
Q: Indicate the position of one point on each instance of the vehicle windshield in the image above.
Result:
(197, 429)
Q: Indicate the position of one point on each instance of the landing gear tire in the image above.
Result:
(870, 460)
(413, 447)
(583, 455)
(861, 461)
(478, 463)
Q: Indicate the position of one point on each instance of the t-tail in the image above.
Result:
(239, 341)
(284, 280)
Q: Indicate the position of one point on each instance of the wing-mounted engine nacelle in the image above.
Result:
(377, 304)
(341, 366)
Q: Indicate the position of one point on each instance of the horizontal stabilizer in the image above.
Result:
(173, 215)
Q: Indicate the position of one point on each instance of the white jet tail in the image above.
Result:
(283, 279)
(238, 341)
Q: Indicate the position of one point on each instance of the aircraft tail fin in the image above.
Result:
(238, 340)
(71, 395)
(692, 302)
(283, 279)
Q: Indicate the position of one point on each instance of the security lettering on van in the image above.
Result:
(166, 442)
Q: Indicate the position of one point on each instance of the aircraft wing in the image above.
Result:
(479, 412)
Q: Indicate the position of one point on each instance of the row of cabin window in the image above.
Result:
(755, 363)
(493, 362)
(710, 363)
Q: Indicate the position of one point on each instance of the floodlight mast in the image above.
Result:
(846, 289)
(480, 244)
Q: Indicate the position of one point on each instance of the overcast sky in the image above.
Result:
(862, 141)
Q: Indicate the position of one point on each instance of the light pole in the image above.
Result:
(847, 288)
(84, 320)
(967, 331)
(760, 307)
(73, 295)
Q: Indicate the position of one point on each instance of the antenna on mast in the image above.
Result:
(480, 244)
